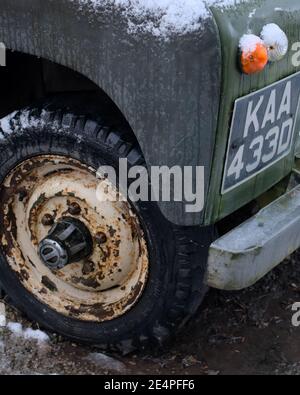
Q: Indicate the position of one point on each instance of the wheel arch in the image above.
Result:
(163, 88)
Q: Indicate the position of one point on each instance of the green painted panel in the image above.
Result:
(248, 17)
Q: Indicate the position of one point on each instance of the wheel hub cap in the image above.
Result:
(68, 241)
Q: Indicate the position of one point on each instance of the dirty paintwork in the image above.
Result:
(244, 18)
(177, 94)
(168, 90)
(100, 287)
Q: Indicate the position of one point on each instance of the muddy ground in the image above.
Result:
(247, 332)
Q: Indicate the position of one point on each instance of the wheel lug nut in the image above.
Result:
(101, 238)
(74, 208)
(48, 220)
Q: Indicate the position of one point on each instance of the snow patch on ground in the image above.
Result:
(106, 362)
(2, 315)
(28, 334)
(2, 321)
(40, 336)
(15, 328)
(161, 17)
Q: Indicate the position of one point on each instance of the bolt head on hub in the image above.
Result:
(74, 208)
(48, 220)
(101, 238)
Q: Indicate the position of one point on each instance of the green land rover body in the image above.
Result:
(86, 83)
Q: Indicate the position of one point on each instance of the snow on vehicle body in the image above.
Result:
(172, 69)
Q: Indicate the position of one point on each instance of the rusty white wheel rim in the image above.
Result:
(99, 288)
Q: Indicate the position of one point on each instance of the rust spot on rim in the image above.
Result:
(113, 279)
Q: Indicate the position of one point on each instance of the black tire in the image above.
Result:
(178, 256)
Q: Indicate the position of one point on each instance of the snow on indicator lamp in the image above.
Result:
(256, 52)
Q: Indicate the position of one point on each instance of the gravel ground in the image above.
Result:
(247, 332)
